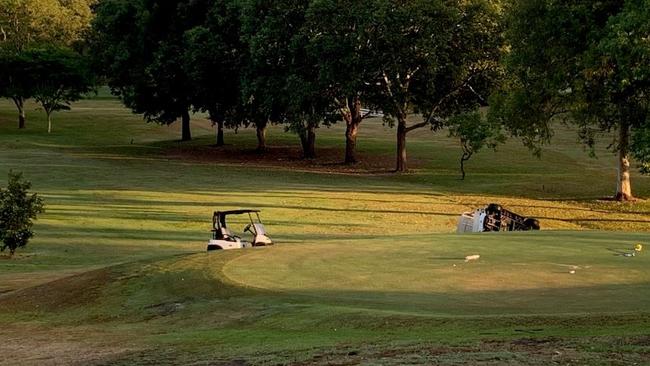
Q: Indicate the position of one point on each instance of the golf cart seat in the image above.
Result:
(226, 234)
(222, 233)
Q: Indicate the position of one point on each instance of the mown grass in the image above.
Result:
(364, 268)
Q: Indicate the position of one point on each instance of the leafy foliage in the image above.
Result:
(28, 23)
(213, 61)
(624, 55)
(338, 40)
(17, 210)
(14, 81)
(60, 77)
(641, 148)
(266, 34)
(139, 46)
(474, 132)
(281, 76)
(436, 59)
(585, 63)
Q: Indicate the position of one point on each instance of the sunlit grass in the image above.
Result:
(364, 258)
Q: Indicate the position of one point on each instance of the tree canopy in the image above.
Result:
(139, 46)
(213, 61)
(338, 34)
(474, 132)
(583, 63)
(26, 24)
(432, 59)
(59, 76)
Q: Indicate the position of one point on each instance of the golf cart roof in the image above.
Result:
(234, 212)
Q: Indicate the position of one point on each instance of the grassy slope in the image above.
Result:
(363, 267)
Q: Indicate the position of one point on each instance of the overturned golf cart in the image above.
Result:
(493, 217)
(223, 238)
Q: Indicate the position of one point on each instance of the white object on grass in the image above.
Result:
(474, 257)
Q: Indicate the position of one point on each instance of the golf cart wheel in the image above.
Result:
(532, 224)
(493, 208)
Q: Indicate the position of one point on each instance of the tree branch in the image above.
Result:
(448, 95)
(479, 96)
(416, 126)
(388, 84)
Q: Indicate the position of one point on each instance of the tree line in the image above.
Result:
(300, 63)
(479, 69)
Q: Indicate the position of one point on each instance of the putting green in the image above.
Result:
(518, 273)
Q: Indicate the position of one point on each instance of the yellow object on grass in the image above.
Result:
(638, 247)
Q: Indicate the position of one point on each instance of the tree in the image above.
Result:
(266, 36)
(339, 34)
(582, 63)
(213, 54)
(26, 24)
(432, 59)
(307, 108)
(61, 77)
(17, 210)
(474, 132)
(15, 83)
(280, 60)
(139, 46)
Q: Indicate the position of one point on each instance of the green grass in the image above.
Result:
(366, 268)
(517, 273)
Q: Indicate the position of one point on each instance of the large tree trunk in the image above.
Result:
(351, 143)
(352, 121)
(218, 120)
(623, 183)
(20, 104)
(311, 143)
(401, 165)
(186, 134)
(219, 128)
(261, 136)
(308, 142)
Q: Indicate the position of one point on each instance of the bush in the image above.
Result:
(17, 210)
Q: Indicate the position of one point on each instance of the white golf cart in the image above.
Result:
(223, 238)
(494, 218)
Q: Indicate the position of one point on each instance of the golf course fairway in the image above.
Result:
(366, 269)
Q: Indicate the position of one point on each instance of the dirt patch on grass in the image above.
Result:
(27, 344)
(524, 351)
(329, 160)
(59, 294)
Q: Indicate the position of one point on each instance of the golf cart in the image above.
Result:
(494, 218)
(223, 238)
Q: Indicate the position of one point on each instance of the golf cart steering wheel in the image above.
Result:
(247, 228)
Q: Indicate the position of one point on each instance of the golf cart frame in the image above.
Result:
(495, 218)
(222, 238)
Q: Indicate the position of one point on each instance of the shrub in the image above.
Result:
(17, 210)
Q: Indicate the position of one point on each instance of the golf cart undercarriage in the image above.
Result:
(495, 218)
(223, 238)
